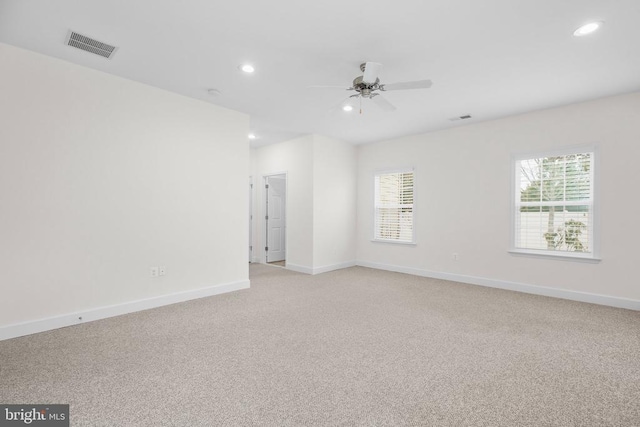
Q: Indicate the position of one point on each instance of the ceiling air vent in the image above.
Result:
(465, 117)
(90, 45)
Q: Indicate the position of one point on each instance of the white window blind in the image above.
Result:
(554, 204)
(394, 207)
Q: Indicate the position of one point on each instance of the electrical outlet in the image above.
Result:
(162, 270)
(154, 271)
(454, 256)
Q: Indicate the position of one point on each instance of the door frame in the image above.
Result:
(263, 207)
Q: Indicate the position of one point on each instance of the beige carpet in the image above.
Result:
(356, 347)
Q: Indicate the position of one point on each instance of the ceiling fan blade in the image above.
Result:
(418, 84)
(330, 87)
(371, 71)
(383, 103)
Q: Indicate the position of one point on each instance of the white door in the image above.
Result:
(276, 229)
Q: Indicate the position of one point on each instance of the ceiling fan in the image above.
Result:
(368, 86)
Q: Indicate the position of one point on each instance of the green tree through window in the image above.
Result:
(554, 204)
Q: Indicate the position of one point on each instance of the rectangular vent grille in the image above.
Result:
(465, 117)
(90, 45)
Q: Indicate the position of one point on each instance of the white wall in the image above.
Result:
(321, 202)
(334, 203)
(463, 198)
(295, 158)
(102, 178)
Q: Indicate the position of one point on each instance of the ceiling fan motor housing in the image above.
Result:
(365, 89)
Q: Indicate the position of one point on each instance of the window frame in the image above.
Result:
(594, 255)
(376, 173)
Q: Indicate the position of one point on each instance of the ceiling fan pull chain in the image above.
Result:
(360, 98)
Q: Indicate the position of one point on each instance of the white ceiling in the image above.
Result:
(489, 58)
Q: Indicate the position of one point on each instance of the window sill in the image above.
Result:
(394, 242)
(560, 256)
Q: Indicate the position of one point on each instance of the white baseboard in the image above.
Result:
(627, 303)
(41, 325)
(319, 270)
(299, 268)
(327, 268)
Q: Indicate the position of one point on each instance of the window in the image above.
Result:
(393, 220)
(553, 212)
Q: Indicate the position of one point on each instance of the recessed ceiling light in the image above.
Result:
(347, 108)
(247, 68)
(588, 28)
(251, 136)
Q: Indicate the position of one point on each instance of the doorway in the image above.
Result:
(275, 219)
